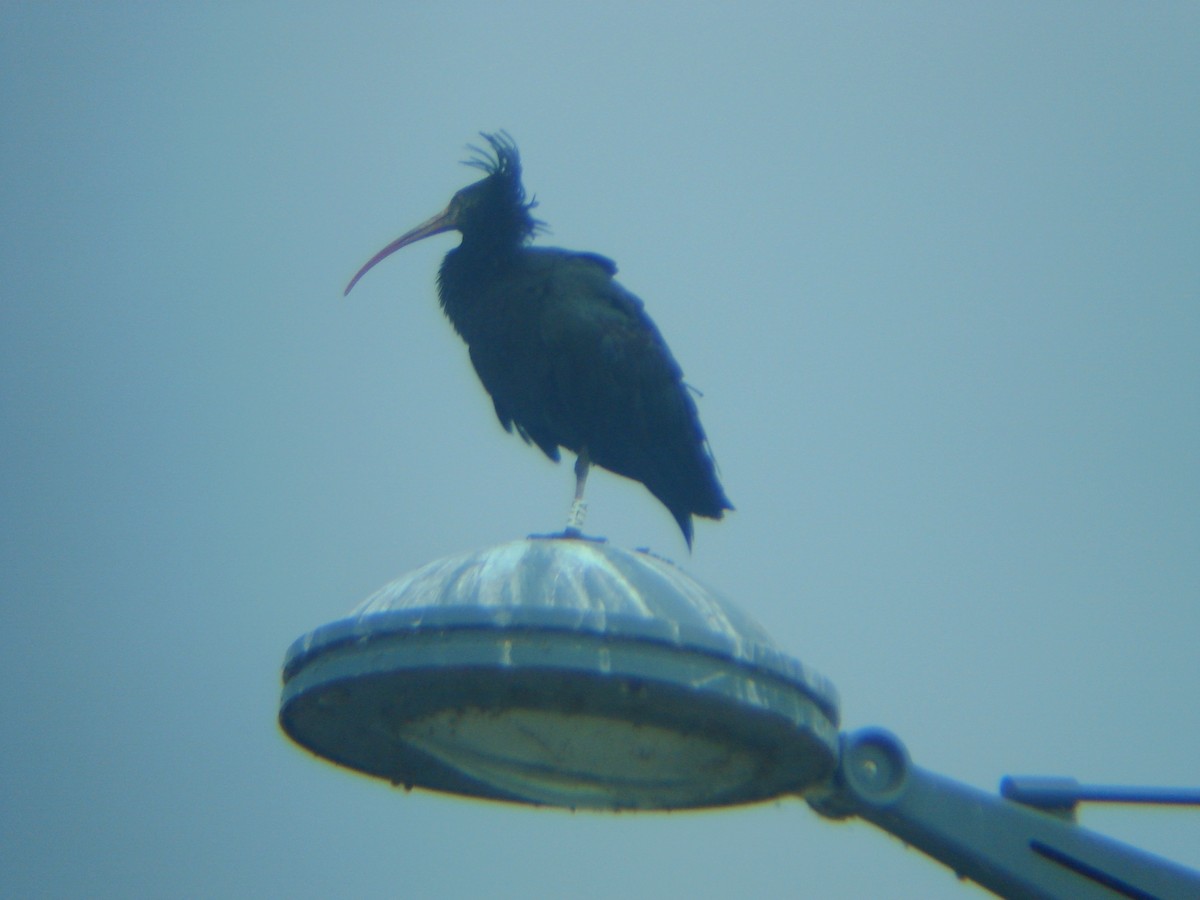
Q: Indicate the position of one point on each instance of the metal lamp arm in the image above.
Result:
(1010, 849)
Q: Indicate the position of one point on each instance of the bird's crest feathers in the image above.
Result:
(503, 161)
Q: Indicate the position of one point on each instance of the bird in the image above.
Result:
(570, 358)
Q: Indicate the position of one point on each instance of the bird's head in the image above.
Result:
(492, 214)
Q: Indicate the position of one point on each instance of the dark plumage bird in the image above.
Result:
(569, 356)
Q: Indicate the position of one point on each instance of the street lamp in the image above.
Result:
(571, 673)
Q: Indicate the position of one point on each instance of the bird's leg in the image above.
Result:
(578, 512)
(574, 529)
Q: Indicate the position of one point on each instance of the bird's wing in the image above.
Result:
(602, 261)
(628, 402)
(614, 319)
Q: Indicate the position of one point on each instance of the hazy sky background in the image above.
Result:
(935, 267)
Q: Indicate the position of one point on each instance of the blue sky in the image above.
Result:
(934, 268)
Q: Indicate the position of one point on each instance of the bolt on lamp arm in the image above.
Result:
(1011, 849)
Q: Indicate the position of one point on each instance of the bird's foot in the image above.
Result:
(574, 529)
(568, 534)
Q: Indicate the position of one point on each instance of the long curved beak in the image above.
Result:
(446, 220)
